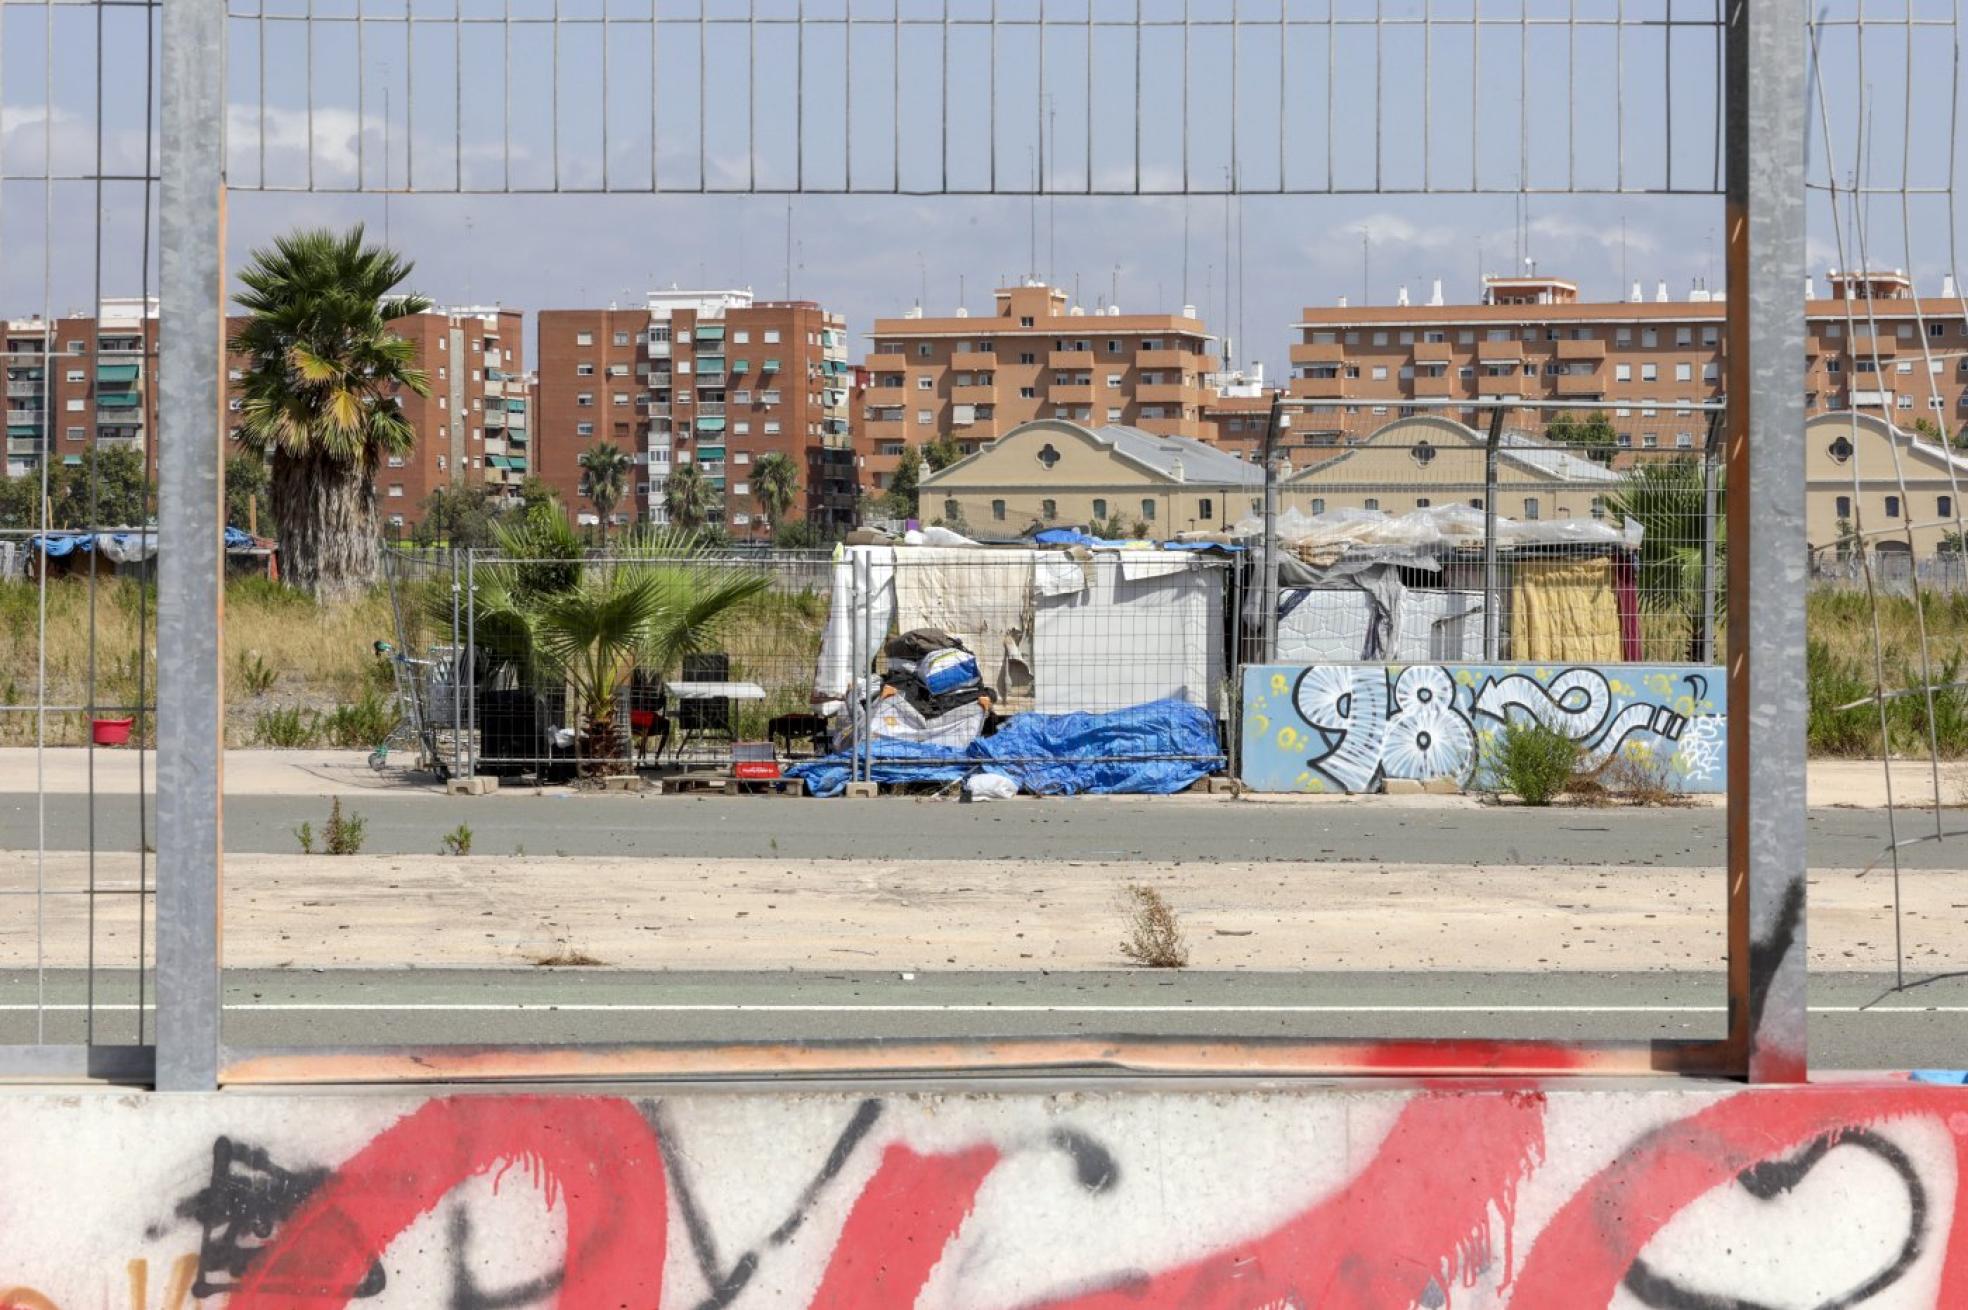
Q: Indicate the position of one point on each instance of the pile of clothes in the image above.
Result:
(930, 692)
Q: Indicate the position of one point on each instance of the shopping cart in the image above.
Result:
(416, 727)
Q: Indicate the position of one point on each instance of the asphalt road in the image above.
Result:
(1185, 828)
(1857, 1020)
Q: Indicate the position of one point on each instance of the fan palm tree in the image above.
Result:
(689, 497)
(775, 485)
(585, 625)
(604, 478)
(1670, 503)
(319, 395)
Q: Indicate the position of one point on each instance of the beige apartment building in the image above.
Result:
(1036, 356)
(1055, 473)
(1872, 346)
(1899, 475)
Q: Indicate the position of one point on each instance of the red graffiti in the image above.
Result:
(595, 1155)
(899, 1227)
(1418, 1212)
(1582, 1254)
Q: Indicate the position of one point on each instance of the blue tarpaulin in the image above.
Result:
(1074, 537)
(1163, 746)
(121, 546)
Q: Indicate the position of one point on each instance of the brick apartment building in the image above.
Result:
(98, 379)
(976, 379)
(79, 379)
(1358, 369)
(711, 378)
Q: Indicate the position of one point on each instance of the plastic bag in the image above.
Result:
(990, 787)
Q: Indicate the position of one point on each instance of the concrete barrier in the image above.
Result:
(1359, 727)
(1556, 1197)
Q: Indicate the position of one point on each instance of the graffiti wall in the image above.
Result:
(1355, 727)
(1683, 1197)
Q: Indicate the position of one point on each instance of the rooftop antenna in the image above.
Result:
(789, 246)
(1366, 264)
(1114, 286)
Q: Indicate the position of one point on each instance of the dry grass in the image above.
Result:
(1628, 778)
(564, 956)
(1155, 935)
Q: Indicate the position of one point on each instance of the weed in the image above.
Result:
(362, 724)
(519, 850)
(1155, 936)
(1532, 760)
(256, 676)
(305, 836)
(344, 833)
(1636, 776)
(458, 841)
(287, 729)
(564, 956)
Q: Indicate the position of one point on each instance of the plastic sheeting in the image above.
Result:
(1340, 531)
(1155, 749)
(122, 547)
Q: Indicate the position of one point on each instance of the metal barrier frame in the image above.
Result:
(1764, 127)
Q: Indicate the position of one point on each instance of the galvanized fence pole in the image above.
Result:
(1490, 625)
(471, 664)
(1269, 599)
(1711, 455)
(191, 564)
(1764, 125)
(458, 747)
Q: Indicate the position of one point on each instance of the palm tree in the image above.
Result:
(1670, 503)
(585, 625)
(319, 395)
(775, 485)
(604, 477)
(690, 499)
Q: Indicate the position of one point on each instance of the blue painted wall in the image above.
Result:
(1350, 727)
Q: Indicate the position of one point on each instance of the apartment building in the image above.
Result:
(710, 378)
(1235, 413)
(1532, 338)
(1036, 356)
(81, 379)
(472, 428)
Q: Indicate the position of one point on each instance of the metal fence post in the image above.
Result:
(1269, 598)
(1711, 453)
(471, 664)
(1490, 633)
(191, 563)
(1764, 130)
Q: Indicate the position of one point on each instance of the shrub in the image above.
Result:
(363, 724)
(256, 676)
(1155, 936)
(344, 834)
(458, 841)
(286, 729)
(1534, 761)
(1830, 682)
(305, 836)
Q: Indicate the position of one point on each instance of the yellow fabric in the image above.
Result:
(1564, 610)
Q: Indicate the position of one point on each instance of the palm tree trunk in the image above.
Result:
(328, 525)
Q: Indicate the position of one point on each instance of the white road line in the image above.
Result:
(493, 1007)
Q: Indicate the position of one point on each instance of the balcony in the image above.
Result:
(710, 409)
(1434, 387)
(659, 349)
(493, 359)
(123, 418)
(710, 378)
(1579, 385)
(25, 388)
(973, 395)
(888, 363)
(19, 417)
(886, 397)
(1070, 361)
(1865, 345)
(495, 418)
(1581, 350)
(1499, 352)
(1333, 388)
(1434, 352)
(1171, 359)
(494, 446)
(975, 360)
(1070, 394)
(1165, 393)
(1322, 352)
(1872, 400)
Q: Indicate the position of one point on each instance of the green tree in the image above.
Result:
(1930, 430)
(690, 499)
(20, 501)
(533, 491)
(775, 485)
(586, 624)
(463, 516)
(107, 489)
(604, 479)
(247, 494)
(941, 451)
(904, 491)
(1666, 498)
(1594, 434)
(319, 395)
(798, 535)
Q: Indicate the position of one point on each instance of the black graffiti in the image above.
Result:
(1774, 1178)
(466, 1294)
(1766, 954)
(1093, 1164)
(727, 1282)
(237, 1211)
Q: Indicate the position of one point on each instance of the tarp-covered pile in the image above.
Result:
(1157, 748)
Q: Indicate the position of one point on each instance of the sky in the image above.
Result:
(441, 106)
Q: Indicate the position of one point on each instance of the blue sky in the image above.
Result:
(433, 105)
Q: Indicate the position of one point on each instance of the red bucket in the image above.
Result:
(111, 732)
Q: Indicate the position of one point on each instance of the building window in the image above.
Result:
(1649, 337)
(584, 429)
(1373, 502)
(1148, 510)
(585, 399)
(1048, 510)
(1531, 511)
(396, 490)
(621, 397)
(1684, 336)
(1205, 509)
(1944, 507)
(926, 382)
(998, 511)
(1844, 507)
(1649, 373)
(584, 338)
(1684, 372)
(1892, 507)
(1099, 508)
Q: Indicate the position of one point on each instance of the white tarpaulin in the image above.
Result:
(1330, 625)
(1124, 640)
